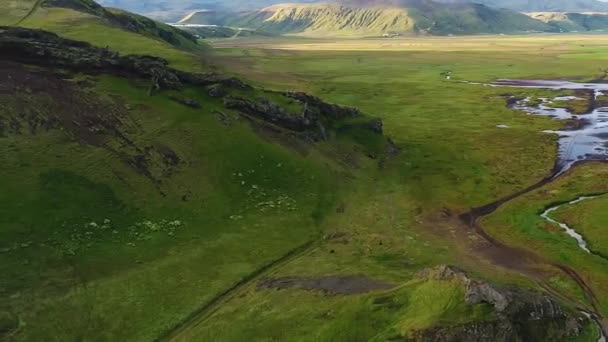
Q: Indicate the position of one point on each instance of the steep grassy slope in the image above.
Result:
(411, 17)
(124, 32)
(128, 21)
(140, 208)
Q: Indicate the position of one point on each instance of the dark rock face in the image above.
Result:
(271, 112)
(45, 48)
(521, 315)
(316, 106)
(314, 120)
(216, 90)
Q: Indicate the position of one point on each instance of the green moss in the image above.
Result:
(416, 305)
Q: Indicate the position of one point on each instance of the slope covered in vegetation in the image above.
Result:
(568, 22)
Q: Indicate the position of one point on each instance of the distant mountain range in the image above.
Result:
(357, 19)
(381, 17)
(548, 5)
(159, 7)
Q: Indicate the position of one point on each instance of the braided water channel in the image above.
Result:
(587, 140)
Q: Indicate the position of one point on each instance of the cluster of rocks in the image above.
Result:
(520, 315)
(315, 118)
(44, 48)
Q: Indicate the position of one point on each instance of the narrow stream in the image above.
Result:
(571, 232)
(602, 337)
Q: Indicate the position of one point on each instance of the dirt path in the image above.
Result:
(523, 260)
(182, 331)
(31, 11)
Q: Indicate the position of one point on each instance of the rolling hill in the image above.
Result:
(569, 22)
(172, 10)
(357, 19)
(548, 5)
(123, 31)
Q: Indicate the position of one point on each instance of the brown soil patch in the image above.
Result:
(335, 285)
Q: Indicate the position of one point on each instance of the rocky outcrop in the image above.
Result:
(269, 111)
(316, 107)
(521, 315)
(48, 49)
(313, 119)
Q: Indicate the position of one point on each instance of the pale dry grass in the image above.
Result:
(523, 43)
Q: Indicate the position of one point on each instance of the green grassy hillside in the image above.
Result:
(138, 205)
(124, 32)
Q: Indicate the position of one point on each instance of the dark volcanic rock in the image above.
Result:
(318, 106)
(45, 48)
(36, 47)
(48, 49)
(271, 112)
(315, 118)
(521, 315)
(216, 90)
